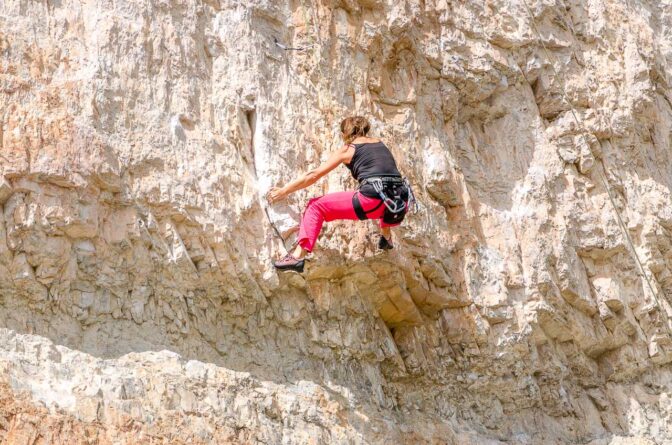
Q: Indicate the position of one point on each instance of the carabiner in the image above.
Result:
(393, 208)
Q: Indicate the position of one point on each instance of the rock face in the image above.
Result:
(528, 302)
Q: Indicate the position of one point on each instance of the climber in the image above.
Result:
(382, 193)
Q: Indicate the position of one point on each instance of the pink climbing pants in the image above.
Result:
(330, 207)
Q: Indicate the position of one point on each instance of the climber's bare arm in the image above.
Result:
(343, 154)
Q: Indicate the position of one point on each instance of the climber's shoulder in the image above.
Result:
(346, 152)
(342, 154)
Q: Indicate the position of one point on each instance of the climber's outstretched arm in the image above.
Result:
(311, 176)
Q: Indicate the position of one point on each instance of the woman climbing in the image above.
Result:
(382, 194)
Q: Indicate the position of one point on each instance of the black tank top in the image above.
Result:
(372, 159)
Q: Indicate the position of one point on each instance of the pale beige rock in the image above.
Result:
(137, 297)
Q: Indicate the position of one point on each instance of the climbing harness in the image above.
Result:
(395, 194)
(602, 174)
(359, 210)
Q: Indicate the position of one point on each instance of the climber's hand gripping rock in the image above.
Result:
(276, 194)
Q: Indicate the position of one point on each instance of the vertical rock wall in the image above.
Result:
(528, 301)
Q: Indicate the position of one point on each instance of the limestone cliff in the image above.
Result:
(528, 302)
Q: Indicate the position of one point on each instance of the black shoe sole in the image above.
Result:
(298, 267)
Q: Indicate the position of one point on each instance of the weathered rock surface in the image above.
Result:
(527, 303)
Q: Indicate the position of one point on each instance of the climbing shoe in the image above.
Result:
(288, 262)
(384, 244)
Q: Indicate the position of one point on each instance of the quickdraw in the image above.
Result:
(396, 205)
